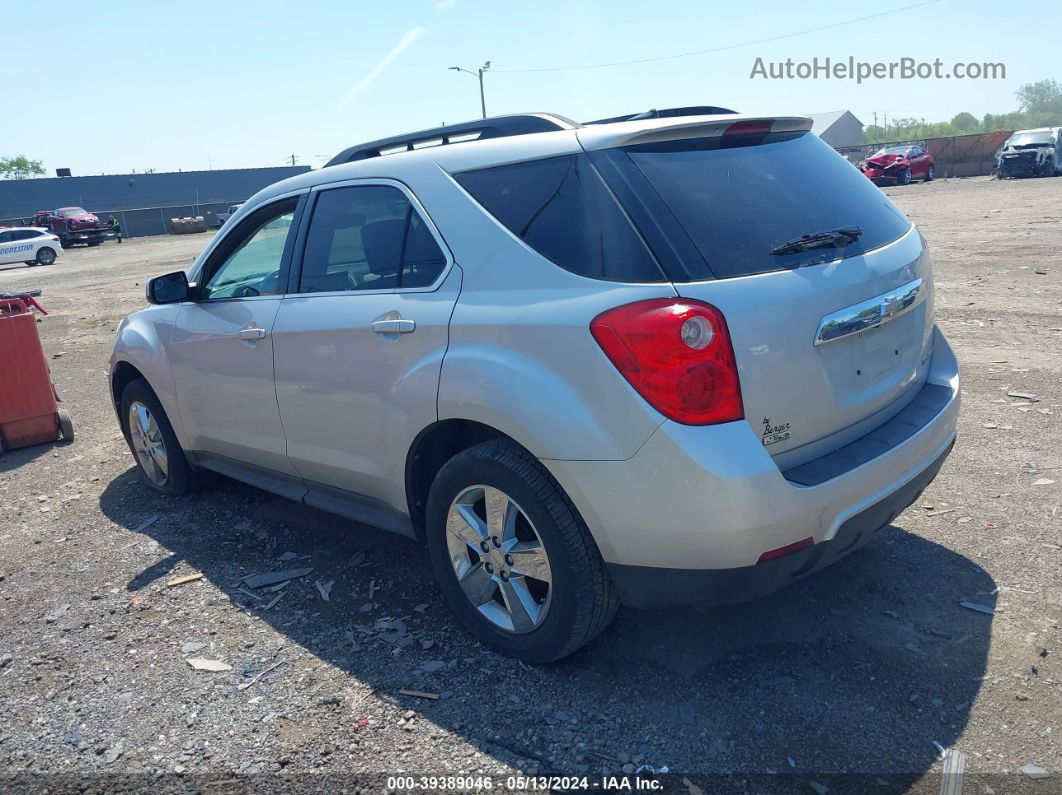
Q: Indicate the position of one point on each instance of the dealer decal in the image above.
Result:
(774, 433)
(16, 249)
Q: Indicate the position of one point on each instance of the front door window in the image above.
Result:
(250, 264)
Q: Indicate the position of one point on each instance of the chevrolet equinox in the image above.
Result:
(679, 359)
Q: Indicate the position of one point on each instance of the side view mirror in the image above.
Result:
(171, 288)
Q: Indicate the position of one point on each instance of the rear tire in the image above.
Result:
(45, 256)
(170, 474)
(66, 425)
(930, 174)
(571, 602)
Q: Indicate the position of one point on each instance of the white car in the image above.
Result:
(29, 244)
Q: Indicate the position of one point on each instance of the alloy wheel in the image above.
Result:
(148, 444)
(499, 559)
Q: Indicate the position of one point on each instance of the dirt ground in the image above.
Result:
(871, 667)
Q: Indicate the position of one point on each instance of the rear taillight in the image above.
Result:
(678, 356)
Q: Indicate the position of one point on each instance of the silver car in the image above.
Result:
(680, 360)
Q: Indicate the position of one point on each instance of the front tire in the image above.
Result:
(45, 256)
(513, 557)
(904, 177)
(158, 455)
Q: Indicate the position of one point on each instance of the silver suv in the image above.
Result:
(676, 360)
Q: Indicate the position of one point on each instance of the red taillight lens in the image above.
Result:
(677, 355)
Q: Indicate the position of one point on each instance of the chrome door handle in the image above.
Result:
(393, 326)
(253, 333)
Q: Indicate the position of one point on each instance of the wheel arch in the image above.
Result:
(433, 447)
(122, 375)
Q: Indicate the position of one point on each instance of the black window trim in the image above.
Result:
(295, 272)
(594, 166)
(222, 248)
(653, 220)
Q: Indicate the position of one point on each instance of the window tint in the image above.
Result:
(738, 201)
(560, 207)
(422, 260)
(24, 234)
(5, 237)
(368, 237)
(248, 262)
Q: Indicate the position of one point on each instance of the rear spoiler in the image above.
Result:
(608, 136)
(667, 113)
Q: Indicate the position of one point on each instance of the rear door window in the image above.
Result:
(368, 237)
(561, 208)
(736, 200)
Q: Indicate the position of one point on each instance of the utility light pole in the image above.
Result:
(478, 73)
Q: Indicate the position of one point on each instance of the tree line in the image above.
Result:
(1039, 105)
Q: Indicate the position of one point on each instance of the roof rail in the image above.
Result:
(667, 113)
(496, 127)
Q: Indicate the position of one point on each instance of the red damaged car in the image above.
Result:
(74, 218)
(899, 165)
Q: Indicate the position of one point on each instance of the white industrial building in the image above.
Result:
(838, 128)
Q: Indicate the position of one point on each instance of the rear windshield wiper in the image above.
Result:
(839, 238)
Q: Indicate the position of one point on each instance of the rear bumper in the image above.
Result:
(645, 586)
(688, 517)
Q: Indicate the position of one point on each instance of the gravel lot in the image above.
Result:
(869, 667)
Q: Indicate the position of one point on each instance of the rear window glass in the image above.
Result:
(561, 208)
(738, 202)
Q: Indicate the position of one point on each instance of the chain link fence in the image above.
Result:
(146, 221)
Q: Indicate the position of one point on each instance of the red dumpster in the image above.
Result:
(28, 411)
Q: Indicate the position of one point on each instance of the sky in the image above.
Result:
(232, 84)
